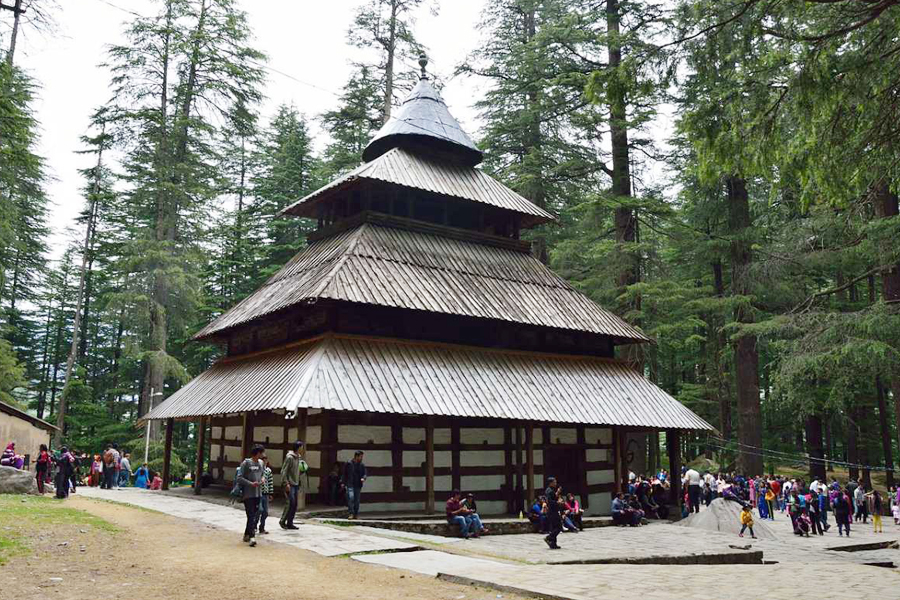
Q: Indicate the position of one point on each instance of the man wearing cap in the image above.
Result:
(290, 479)
(553, 513)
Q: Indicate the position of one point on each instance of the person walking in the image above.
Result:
(354, 478)
(267, 488)
(747, 521)
(290, 481)
(691, 480)
(553, 513)
(65, 465)
(42, 467)
(125, 471)
(843, 509)
(249, 477)
(877, 508)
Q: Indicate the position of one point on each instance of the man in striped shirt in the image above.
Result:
(266, 488)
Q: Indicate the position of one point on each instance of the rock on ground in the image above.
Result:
(725, 516)
(14, 481)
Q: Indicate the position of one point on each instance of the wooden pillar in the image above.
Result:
(508, 469)
(302, 421)
(429, 465)
(246, 435)
(520, 492)
(455, 476)
(582, 467)
(167, 454)
(201, 447)
(397, 457)
(622, 445)
(529, 461)
(328, 452)
(673, 446)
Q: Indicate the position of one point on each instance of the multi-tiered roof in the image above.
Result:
(422, 235)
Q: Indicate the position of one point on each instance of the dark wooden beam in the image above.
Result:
(246, 434)
(508, 468)
(520, 492)
(529, 461)
(673, 446)
(167, 454)
(397, 457)
(456, 478)
(429, 465)
(582, 467)
(201, 448)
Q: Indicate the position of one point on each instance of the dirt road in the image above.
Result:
(154, 556)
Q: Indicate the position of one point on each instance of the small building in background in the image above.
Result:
(26, 431)
(418, 327)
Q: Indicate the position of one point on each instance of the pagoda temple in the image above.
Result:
(417, 326)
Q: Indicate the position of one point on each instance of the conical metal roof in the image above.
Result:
(424, 120)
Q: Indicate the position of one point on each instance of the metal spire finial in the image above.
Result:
(423, 62)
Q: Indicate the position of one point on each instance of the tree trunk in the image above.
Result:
(14, 33)
(746, 356)
(389, 63)
(79, 304)
(814, 447)
(888, 207)
(829, 443)
(884, 424)
(852, 444)
(536, 191)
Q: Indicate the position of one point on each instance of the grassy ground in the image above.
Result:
(22, 518)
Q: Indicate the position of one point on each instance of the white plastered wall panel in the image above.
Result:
(563, 435)
(232, 454)
(313, 458)
(363, 434)
(413, 435)
(216, 433)
(598, 435)
(482, 458)
(599, 504)
(597, 455)
(233, 432)
(378, 483)
(597, 477)
(442, 483)
(481, 483)
(476, 435)
(272, 435)
(490, 507)
(372, 458)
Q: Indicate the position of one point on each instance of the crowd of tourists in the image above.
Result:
(66, 469)
(806, 504)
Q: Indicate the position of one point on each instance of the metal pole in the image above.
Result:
(147, 436)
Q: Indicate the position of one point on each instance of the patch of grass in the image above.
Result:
(22, 516)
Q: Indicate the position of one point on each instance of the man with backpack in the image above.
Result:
(290, 478)
(249, 478)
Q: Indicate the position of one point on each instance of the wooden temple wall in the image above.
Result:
(473, 455)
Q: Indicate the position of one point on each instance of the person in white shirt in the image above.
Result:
(692, 481)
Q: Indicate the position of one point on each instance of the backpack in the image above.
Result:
(108, 457)
(237, 490)
(304, 467)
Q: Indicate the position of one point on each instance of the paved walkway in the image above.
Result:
(327, 541)
(519, 563)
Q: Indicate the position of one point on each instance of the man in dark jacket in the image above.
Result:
(553, 513)
(353, 479)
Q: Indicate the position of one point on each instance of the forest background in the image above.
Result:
(756, 241)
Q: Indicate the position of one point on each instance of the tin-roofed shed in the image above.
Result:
(417, 326)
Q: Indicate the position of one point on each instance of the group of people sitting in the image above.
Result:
(570, 514)
(464, 514)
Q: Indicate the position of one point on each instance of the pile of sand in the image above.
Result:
(725, 516)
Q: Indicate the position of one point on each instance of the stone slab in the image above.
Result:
(321, 539)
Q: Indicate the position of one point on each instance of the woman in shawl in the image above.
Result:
(141, 476)
(42, 467)
(11, 459)
(65, 467)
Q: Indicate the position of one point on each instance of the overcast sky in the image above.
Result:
(304, 39)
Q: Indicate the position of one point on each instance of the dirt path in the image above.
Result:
(154, 556)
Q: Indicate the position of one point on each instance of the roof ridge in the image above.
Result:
(353, 240)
